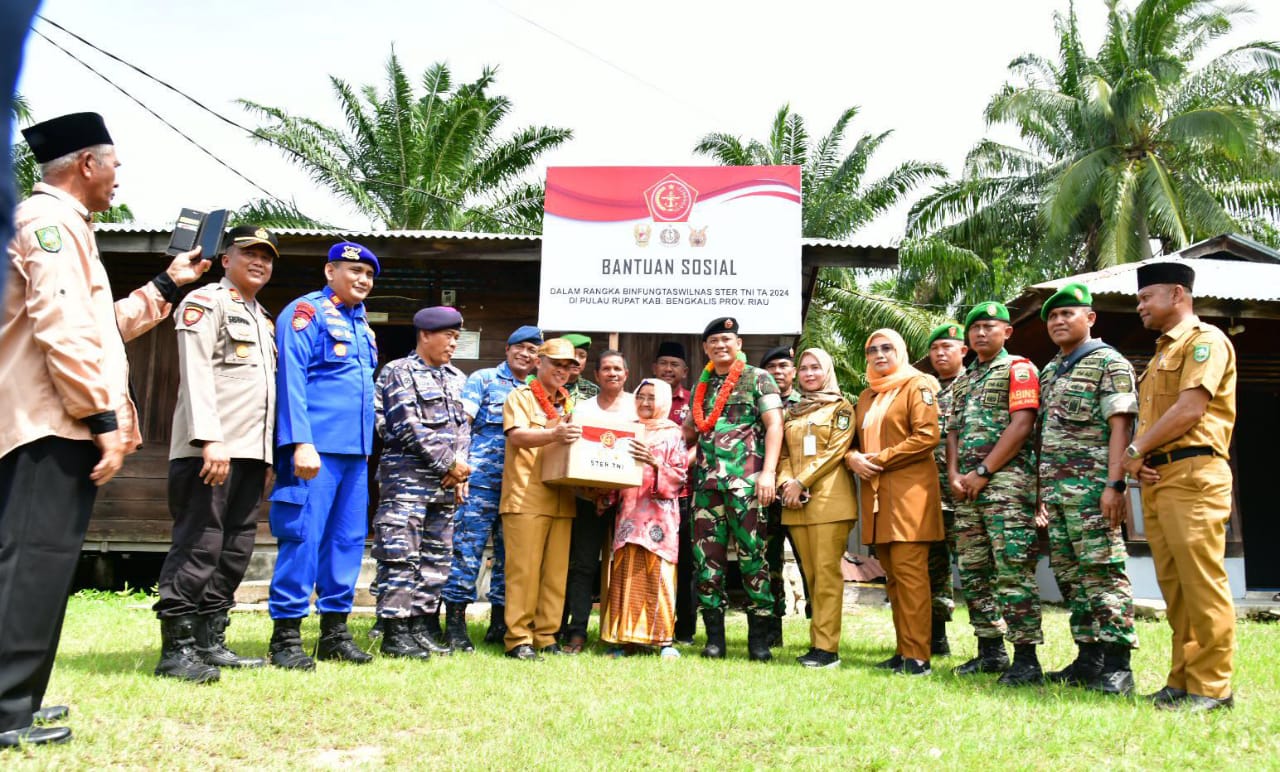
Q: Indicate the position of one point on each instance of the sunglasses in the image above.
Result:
(886, 348)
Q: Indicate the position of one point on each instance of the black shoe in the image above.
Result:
(774, 636)
(758, 628)
(455, 627)
(1115, 677)
(553, 649)
(397, 641)
(286, 646)
(1196, 703)
(50, 713)
(375, 630)
(713, 621)
(1166, 696)
(211, 643)
(428, 636)
(892, 663)
(1025, 668)
(178, 656)
(914, 667)
(34, 735)
(1083, 669)
(992, 658)
(819, 658)
(335, 640)
(939, 646)
(684, 641)
(525, 652)
(497, 625)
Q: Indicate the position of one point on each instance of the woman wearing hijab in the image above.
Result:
(640, 609)
(817, 497)
(897, 420)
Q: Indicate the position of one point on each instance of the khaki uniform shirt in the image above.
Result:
(227, 363)
(62, 337)
(1191, 354)
(523, 491)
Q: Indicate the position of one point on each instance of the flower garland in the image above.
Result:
(704, 423)
(544, 402)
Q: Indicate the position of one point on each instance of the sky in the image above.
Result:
(639, 84)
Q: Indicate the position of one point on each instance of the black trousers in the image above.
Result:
(46, 498)
(213, 533)
(686, 595)
(591, 532)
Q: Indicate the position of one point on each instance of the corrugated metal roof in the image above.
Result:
(1220, 279)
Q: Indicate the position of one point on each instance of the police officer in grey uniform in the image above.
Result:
(218, 457)
(422, 476)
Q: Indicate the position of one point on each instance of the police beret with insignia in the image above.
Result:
(245, 236)
(671, 348)
(435, 318)
(778, 352)
(723, 324)
(578, 340)
(1166, 273)
(1071, 294)
(56, 137)
(984, 311)
(947, 331)
(349, 251)
(525, 334)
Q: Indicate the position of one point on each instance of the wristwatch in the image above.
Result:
(1119, 486)
(983, 471)
(1132, 452)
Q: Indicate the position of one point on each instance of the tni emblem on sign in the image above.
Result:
(670, 200)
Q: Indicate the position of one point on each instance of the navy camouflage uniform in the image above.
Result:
(420, 418)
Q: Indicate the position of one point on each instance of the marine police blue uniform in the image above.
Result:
(482, 397)
(324, 386)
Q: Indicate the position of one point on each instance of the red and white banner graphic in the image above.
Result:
(668, 249)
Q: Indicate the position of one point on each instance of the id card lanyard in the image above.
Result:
(810, 442)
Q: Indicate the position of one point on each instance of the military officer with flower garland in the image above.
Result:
(737, 423)
(324, 435)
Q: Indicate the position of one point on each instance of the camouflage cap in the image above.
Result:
(1071, 294)
(947, 331)
(988, 310)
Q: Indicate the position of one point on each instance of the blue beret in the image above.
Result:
(526, 334)
(438, 318)
(349, 251)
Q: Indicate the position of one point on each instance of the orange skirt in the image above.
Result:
(642, 598)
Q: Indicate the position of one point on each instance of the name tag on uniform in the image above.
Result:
(810, 445)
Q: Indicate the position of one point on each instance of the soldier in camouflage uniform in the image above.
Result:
(946, 355)
(1087, 409)
(482, 398)
(739, 439)
(780, 363)
(991, 469)
(422, 475)
(580, 389)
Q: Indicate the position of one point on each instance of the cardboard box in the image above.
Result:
(601, 458)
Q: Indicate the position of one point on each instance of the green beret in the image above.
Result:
(578, 340)
(988, 310)
(1073, 294)
(948, 331)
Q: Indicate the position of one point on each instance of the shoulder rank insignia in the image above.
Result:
(926, 396)
(192, 314)
(1201, 352)
(50, 238)
(842, 420)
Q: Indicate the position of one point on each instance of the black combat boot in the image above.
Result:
(758, 628)
(1083, 669)
(335, 640)
(427, 635)
(1025, 668)
(773, 637)
(497, 625)
(992, 658)
(286, 646)
(178, 655)
(1115, 677)
(455, 627)
(397, 641)
(939, 646)
(713, 621)
(211, 643)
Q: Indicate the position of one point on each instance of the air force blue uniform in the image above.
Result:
(327, 355)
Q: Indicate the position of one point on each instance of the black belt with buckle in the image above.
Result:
(1160, 459)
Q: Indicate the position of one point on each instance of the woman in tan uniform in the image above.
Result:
(897, 420)
(817, 497)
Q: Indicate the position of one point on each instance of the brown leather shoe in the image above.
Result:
(574, 645)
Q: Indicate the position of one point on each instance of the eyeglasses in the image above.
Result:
(886, 348)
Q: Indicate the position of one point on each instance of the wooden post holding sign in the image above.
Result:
(600, 458)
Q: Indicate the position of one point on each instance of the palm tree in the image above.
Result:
(429, 162)
(1129, 145)
(836, 202)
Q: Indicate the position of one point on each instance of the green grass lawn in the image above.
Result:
(484, 711)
